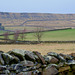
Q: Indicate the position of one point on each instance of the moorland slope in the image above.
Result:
(12, 21)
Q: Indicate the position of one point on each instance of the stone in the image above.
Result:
(1, 52)
(51, 59)
(2, 67)
(18, 53)
(54, 60)
(61, 73)
(63, 55)
(1, 72)
(73, 54)
(25, 73)
(12, 73)
(33, 63)
(38, 66)
(61, 69)
(42, 60)
(50, 70)
(47, 58)
(30, 56)
(43, 66)
(40, 70)
(53, 65)
(67, 57)
(15, 60)
(1, 60)
(7, 72)
(27, 63)
(57, 56)
(52, 54)
(16, 67)
(72, 67)
(32, 68)
(70, 73)
(61, 58)
(26, 69)
(7, 58)
(35, 72)
(61, 64)
(71, 62)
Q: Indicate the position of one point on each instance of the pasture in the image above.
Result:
(59, 35)
(44, 48)
(2, 31)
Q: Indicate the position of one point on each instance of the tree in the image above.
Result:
(16, 35)
(39, 33)
(23, 34)
(6, 34)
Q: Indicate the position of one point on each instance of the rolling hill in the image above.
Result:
(19, 21)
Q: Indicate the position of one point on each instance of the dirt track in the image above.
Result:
(42, 48)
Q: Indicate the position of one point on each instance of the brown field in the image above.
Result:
(42, 48)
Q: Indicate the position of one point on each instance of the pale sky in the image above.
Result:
(38, 6)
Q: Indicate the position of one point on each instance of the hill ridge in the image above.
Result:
(34, 19)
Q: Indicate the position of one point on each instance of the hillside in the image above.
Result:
(13, 21)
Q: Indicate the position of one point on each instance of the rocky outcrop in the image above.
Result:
(23, 62)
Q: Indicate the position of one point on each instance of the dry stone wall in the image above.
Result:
(23, 62)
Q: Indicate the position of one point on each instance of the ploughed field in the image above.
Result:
(65, 48)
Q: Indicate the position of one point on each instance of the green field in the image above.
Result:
(59, 35)
(2, 32)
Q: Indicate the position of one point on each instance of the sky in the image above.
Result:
(38, 6)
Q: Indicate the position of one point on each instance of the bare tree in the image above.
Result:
(16, 35)
(39, 33)
(23, 34)
(6, 36)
